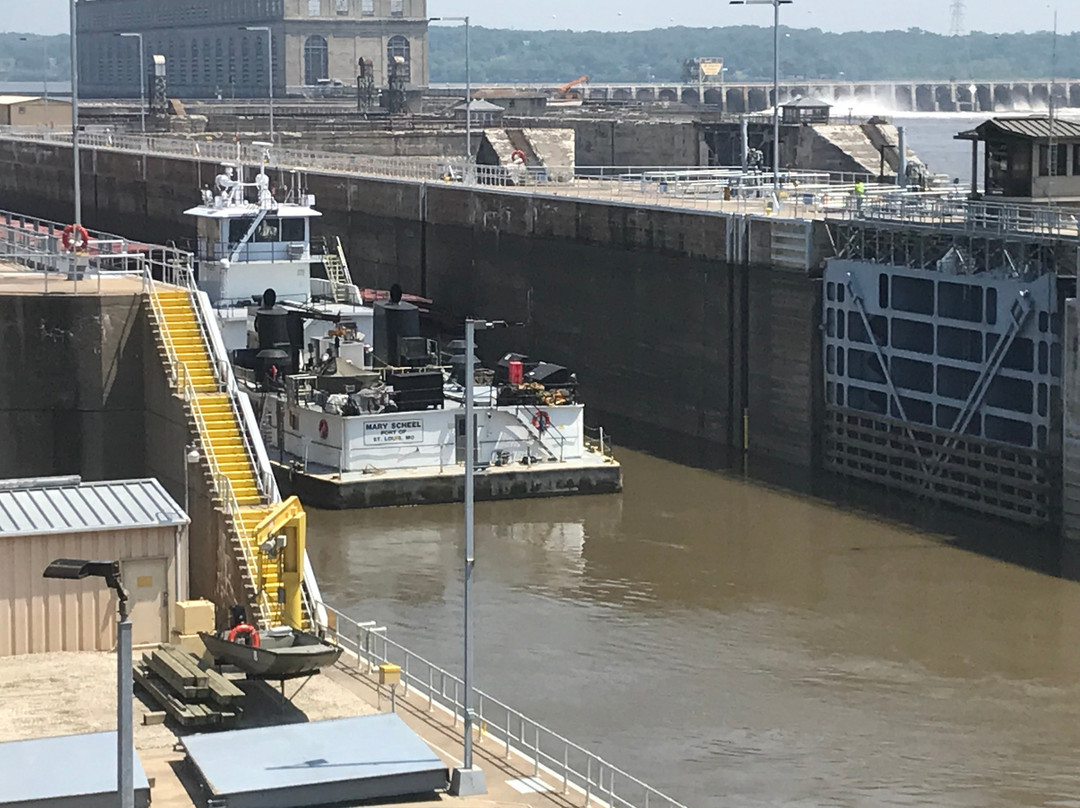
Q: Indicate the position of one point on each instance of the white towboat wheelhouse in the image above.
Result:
(248, 242)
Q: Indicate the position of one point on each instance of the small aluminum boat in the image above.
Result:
(282, 653)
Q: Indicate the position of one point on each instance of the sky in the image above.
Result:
(50, 16)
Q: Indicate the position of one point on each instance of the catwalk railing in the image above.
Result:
(559, 760)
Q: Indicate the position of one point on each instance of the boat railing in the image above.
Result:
(598, 441)
(501, 728)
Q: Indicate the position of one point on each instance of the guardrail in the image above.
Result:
(430, 168)
(956, 212)
(550, 753)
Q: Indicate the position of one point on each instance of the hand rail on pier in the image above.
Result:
(955, 212)
(558, 759)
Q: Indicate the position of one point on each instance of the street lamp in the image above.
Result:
(44, 69)
(469, 779)
(270, 69)
(75, 114)
(74, 569)
(191, 457)
(142, 83)
(468, 83)
(776, 82)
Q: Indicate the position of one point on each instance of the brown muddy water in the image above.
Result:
(736, 645)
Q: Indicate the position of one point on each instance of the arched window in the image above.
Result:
(399, 46)
(316, 59)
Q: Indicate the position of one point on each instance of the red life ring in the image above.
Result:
(243, 628)
(75, 238)
(324, 429)
(518, 157)
(541, 421)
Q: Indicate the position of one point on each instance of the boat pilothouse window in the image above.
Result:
(269, 229)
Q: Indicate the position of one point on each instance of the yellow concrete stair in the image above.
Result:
(223, 442)
(181, 330)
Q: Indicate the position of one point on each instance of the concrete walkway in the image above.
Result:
(65, 693)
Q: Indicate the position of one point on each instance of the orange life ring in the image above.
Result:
(518, 156)
(75, 238)
(243, 628)
(541, 421)
(324, 429)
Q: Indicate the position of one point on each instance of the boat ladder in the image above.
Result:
(337, 270)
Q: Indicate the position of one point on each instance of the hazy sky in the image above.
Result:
(50, 16)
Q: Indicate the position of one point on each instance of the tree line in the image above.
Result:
(501, 55)
(504, 55)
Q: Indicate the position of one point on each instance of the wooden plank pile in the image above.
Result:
(193, 697)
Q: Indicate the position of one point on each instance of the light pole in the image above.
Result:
(75, 114)
(44, 70)
(74, 569)
(776, 82)
(270, 69)
(142, 83)
(469, 779)
(468, 84)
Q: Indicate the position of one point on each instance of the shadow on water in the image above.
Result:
(1038, 548)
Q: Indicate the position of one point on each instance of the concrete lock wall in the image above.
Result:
(672, 342)
(72, 400)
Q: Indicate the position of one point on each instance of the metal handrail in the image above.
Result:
(415, 168)
(223, 489)
(551, 753)
(956, 212)
(601, 444)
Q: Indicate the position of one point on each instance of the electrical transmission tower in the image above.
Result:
(957, 26)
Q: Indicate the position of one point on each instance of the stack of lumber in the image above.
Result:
(193, 697)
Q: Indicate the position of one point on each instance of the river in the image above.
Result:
(735, 644)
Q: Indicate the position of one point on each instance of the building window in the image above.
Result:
(1056, 155)
(316, 59)
(342, 6)
(314, 8)
(399, 46)
(397, 8)
(1076, 160)
(367, 7)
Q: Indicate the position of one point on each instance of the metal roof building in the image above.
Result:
(133, 521)
(79, 507)
(1029, 158)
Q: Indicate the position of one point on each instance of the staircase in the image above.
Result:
(337, 270)
(214, 416)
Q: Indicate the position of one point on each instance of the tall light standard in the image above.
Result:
(44, 69)
(142, 83)
(75, 114)
(270, 70)
(74, 569)
(776, 82)
(468, 83)
(469, 779)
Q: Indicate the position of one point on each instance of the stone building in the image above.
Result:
(210, 51)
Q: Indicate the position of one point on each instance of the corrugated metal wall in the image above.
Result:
(39, 615)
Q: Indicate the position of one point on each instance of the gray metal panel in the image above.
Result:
(347, 759)
(1037, 127)
(69, 771)
(109, 505)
